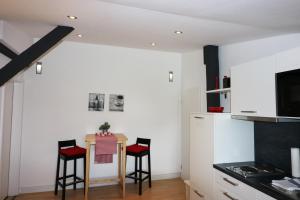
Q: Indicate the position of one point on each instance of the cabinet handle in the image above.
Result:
(230, 182)
(199, 117)
(248, 111)
(228, 196)
(200, 195)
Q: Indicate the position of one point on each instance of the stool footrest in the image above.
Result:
(137, 171)
(132, 175)
(68, 176)
(137, 178)
(78, 180)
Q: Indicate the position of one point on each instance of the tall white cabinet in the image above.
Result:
(216, 138)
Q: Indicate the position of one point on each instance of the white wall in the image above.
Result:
(56, 107)
(3, 172)
(10, 131)
(1, 28)
(16, 133)
(5, 133)
(234, 54)
(193, 99)
(13, 37)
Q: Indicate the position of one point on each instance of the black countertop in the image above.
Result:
(262, 184)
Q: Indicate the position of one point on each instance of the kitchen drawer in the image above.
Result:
(193, 192)
(195, 195)
(223, 194)
(234, 186)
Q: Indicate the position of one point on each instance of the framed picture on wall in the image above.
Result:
(96, 101)
(116, 102)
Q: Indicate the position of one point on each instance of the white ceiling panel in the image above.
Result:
(263, 13)
(138, 23)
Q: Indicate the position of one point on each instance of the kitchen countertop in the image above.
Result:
(262, 184)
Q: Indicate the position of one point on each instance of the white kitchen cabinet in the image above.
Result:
(192, 192)
(233, 186)
(227, 187)
(194, 195)
(253, 88)
(216, 138)
(223, 194)
(201, 153)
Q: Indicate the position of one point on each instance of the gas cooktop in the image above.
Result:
(257, 170)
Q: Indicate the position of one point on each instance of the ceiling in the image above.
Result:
(138, 23)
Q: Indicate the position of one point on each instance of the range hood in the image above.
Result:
(266, 119)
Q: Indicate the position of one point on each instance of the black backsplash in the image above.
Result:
(273, 142)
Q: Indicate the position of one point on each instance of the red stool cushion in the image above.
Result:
(73, 151)
(135, 148)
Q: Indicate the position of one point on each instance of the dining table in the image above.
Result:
(90, 139)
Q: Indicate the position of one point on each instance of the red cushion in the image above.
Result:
(135, 148)
(73, 151)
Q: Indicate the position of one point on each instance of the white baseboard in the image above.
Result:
(166, 176)
(47, 188)
(34, 189)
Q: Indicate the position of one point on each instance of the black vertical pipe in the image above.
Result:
(211, 60)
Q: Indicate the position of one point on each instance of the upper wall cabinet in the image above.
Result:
(288, 60)
(253, 88)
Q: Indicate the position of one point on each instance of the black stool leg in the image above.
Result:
(149, 169)
(135, 170)
(140, 176)
(64, 180)
(57, 175)
(75, 174)
(84, 168)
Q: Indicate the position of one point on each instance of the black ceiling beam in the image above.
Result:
(7, 51)
(34, 52)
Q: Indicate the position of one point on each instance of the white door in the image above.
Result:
(6, 102)
(201, 154)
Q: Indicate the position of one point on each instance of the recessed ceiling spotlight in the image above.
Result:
(72, 17)
(178, 32)
(153, 44)
(79, 35)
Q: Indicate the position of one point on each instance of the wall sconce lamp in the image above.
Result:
(38, 68)
(171, 76)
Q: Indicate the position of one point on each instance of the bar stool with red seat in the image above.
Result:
(68, 150)
(139, 150)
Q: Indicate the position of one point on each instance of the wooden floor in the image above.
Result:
(172, 189)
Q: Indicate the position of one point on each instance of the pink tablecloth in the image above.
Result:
(106, 146)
